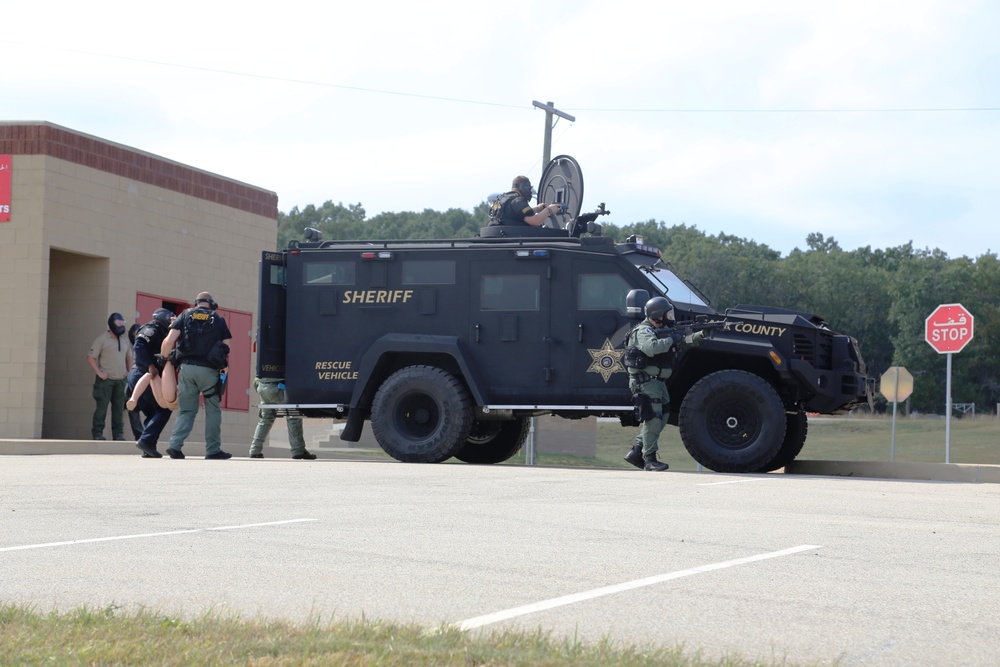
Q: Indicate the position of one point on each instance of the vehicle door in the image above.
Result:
(590, 324)
(509, 338)
(271, 301)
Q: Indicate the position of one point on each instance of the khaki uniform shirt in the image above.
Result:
(112, 354)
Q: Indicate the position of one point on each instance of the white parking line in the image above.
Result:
(136, 537)
(735, 481)
(508, 614)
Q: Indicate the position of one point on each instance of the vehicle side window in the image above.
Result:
(277, 274)
(601, 291)
(510, 292)
(328, 273)
(428, 272)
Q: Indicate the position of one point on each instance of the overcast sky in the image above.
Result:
(875, 122)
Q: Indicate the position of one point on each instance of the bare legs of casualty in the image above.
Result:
(164, 388)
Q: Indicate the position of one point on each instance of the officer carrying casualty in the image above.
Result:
(449, 347)
(198, 345)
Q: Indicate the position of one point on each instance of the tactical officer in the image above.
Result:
(109, 360)
(272, 390)
(148, 341)
(135, 422)
(650, 361)
(514, 207)
(200, 336)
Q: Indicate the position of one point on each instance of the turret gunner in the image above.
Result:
(514, 207)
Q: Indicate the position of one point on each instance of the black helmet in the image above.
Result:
(162, 316)
(659, 308)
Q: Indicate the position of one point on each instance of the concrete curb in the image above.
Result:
(128, 448)
(939, 472)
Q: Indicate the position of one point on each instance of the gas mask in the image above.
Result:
(525, 190)
(117, 329)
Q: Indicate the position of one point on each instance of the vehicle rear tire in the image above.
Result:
(796, 428)
(732, 421)
(421, 414)
(494, 441)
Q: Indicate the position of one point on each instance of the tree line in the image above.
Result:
(882, 297)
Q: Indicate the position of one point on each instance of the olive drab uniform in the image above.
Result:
(272, 391)
(654, 363)
(200, 355)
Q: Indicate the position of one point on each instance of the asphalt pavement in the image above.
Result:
(779, 566)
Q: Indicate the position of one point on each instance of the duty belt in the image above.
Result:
(643, 377)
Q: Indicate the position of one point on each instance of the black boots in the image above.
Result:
(635, 456)
(654, 465)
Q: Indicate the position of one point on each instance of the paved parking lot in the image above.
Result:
(874, 572)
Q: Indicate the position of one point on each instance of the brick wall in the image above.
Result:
(82, 149)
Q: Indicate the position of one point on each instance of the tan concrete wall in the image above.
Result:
(109, 237)
(23, 293)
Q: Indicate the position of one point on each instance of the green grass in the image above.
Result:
(112, 637)
(847, 438)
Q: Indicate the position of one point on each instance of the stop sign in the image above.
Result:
(896, 384)
(948, 328)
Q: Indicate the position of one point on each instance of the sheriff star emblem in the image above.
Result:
(606, 360)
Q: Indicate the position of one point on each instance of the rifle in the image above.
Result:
(682, 331)
(585, 222)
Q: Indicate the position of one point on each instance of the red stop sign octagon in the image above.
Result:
(949, 328)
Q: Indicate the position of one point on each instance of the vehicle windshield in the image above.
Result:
(675, 288)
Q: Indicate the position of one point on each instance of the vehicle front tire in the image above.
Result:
(421, 414)
(732, 421)
(796, 428)
(494, 441)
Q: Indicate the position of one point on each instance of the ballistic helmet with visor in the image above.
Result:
(658, 308)
(162, 316)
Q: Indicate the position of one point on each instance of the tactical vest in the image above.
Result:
(634, 358)
(497, 209)
(666, 359)
(198, 334)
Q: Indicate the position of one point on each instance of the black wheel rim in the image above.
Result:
(483, 432)
(416, 416)
(734, 423)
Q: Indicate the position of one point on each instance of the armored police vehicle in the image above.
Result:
(448, 347)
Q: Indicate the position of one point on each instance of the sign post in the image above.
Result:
(896, 385)
(948, 330)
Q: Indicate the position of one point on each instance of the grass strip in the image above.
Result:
(112, 636)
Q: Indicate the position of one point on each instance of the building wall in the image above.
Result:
(93, 224)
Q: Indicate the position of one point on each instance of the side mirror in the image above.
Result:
(635, 304)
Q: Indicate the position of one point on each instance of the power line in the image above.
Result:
(458, 100)
(871, 110)
(267, 77)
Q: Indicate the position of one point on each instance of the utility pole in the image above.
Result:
(550, 110)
